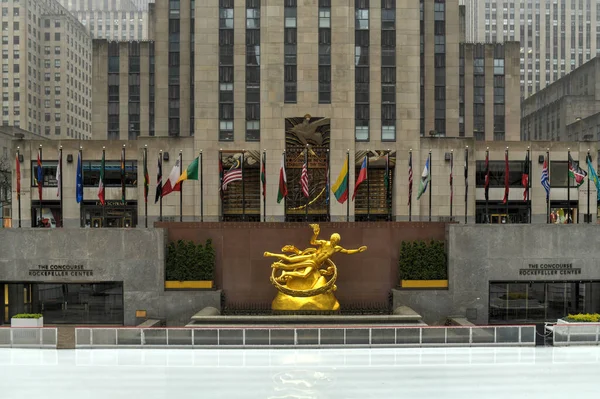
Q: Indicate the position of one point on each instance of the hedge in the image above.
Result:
(28, 316)
(584, 318)
(187, 261)
(420, 260)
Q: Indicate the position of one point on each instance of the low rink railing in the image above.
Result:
(28, 337)
(310, 336)
(572, 334)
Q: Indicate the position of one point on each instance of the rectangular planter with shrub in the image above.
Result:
(423, 265)
(190, 266)
(27, 320)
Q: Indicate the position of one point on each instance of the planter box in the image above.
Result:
(27, 322)
(188, 285)
(428, 284)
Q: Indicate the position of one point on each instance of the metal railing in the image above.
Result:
(571, 334)
(295, 336)
(28, 337)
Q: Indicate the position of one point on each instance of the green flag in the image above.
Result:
(593, 176)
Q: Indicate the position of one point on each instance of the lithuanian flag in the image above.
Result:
(340, 187)
(191, 173)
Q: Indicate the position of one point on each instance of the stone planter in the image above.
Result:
(188, 285)
(19, 323)
(424, 284)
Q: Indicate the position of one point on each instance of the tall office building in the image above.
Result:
(46, 70)
(112, 19)
(556, 36)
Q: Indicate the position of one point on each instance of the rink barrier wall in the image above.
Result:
(28, 337)
(304, 336)
(574, 334)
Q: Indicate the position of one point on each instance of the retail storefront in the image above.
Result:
(114, 214)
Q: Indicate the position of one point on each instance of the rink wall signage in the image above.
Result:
(60, 270)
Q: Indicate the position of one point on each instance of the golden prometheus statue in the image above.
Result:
(302, 284)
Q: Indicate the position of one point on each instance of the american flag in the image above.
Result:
(233, 174)
(410, 179)
(304, 180)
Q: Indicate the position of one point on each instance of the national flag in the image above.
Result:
(221, 172)
(576, 172)
(546, 178)
(101, 183)
(340, 187)
(233, 174)
(487, 176)
(362, 176)
(328, 183)
(40, 174)
(123, 175)
(410, 179)
(58, 174)
(146, 176)
(593, 176)
(525, 178)
(282, 192)
(18, 172)
(263, 176)
(386, 180)
(451, 177)
(506, 178)
(425, 178)
(304, 180)
(172, 184)
(466, 172)
(191, 173)
(79, 180)
(158, 194)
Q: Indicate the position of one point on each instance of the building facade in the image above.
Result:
(112, 20)
(47, 70)
(556, 36)
(566, 110)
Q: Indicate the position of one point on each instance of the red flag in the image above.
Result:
(506, 181)
(410, 179)
(525, 178)
(304, 180)
(18, 169)
(40, 174)
(362, 176)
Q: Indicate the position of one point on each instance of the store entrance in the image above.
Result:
(65, 303)
(114, 214)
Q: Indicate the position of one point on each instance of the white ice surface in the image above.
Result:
(506, 373)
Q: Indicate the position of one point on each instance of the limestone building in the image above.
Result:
(46, 70)
(566, 110)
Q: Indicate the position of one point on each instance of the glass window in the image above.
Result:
(559, 170)
(112, 173)
(497, 169)
(48, 171)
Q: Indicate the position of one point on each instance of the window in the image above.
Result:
(497, 169)
(362, 70)
(253, 70)
(56, 50)
(324, 17)
(57, 36)
(290, 48)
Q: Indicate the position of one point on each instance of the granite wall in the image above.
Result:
(479, 254)
(135, 257)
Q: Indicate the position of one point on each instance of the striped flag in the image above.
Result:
(233, 174)
(304, 180)
(410, 179)
(546, 178)
(158, 180)
(362, 176)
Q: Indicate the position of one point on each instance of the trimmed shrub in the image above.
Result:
(28, 316)
(422, 261)
(187, 261)
(583, 318)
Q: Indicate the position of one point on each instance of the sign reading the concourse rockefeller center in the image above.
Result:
(60, 271)
(550, 269)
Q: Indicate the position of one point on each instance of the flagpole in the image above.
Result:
(348, 188)
(123, 174)
(486, 184)
(243, 189)
(529, 183)
(160, 217)
(103, 186)
(467, 184)
(568, 184)
(328, 187)
(430, 185)
(589, 159)
(387, 189)
(308, 197)
(180, 187)
(264, 187)
(221, 172)
(505, 186)
(201, 187)
(81, 220)
(410, 188)
(62, 216)
(19, 184)
(549, 188)
(368, 189)
(145, 193)
(451, 182)
(41, 183)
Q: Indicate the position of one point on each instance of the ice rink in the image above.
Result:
(301, 374)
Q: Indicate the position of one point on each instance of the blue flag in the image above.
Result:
(79, 182)
(593, 176)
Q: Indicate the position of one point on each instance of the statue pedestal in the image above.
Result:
(326, 301)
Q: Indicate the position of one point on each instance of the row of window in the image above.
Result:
(91, 173)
